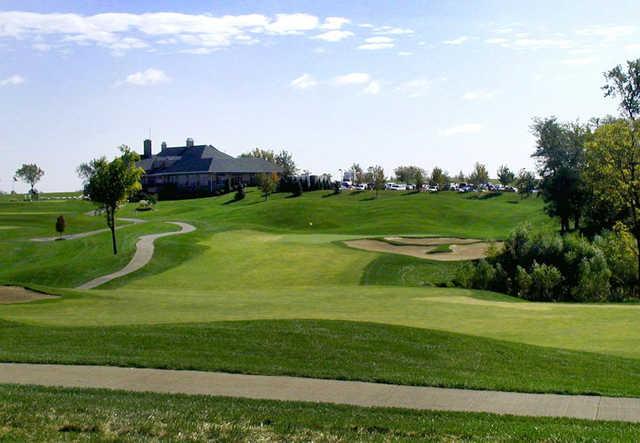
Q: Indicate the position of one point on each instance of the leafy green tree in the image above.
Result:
(479, 175)
(265, 154)
(505, 175)
(419, 179)
(525, 183)
(31, 174)
(613, 172)
(439, 177)
(284, 159)
(358, 173)
(560, 158)
(378, 178)
(267, 184)
(407, 174)
(110, 183)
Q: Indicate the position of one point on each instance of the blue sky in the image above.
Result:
(444, 83)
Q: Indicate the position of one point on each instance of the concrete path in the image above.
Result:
(132, 221)
(326, 391)
(142, 256)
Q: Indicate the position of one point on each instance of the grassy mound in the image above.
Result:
(329, 349)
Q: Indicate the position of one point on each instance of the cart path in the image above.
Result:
(142, 256)
(325, 391)
(133, 221)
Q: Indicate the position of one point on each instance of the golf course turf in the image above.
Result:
(268, 287)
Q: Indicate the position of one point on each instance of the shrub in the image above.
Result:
(240, 193)
(522, 282)
(465, 275)
(544, 279)
(483, 275)
(593, 281)
(61, 224)
(297, 189)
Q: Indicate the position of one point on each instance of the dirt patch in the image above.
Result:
(466, 251)
(17, 294)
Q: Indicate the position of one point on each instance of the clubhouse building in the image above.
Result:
(198, 169)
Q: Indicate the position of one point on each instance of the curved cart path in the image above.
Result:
(144, 253)
(325, 391)
(133, 221)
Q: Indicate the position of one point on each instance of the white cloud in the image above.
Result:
(14, 80)
(334, 36)
(479, 94)
(415, 88)
(124, 31)
(467, 128)
(405, 53)
(148, 77)
(198, 51)
(456, 41)
(391, 30)
(608, 32)
(43, 47)
(354, 78)
(496, 41)
(334, 23)
(374, 43)
(373, 88)
(305, 81)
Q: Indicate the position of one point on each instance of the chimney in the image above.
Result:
(189, 142)
(163, 146)
(147, 149)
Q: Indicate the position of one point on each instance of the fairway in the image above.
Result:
(261, 262)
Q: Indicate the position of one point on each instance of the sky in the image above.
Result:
(430, 83)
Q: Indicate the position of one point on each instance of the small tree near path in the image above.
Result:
(110, 183)
(61, 224)
(30, 174)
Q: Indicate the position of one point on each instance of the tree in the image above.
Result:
(460, 178)
(505, 175)
(419, 179)
(358, 173)
(378, 178)
(265, 154)
(31, 174)
(110, 183)
(525, 183)
(267, 183)
(407, 174)
(613, 172)
(284, 159)
(625, 85)
(439, 177)
(479, 175)
(560, 159)
(61, 224)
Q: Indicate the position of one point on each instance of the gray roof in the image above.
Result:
(203, 159)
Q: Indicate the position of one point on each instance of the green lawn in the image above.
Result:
(277, 269)
(47, 414)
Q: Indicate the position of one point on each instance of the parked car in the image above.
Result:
(360, 187)
(433, 188)
(411, 187)
(395, 187)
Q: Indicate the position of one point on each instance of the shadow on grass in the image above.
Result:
(484, 196)
(330, 195)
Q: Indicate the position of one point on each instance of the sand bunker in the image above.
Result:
(461, 249)
(16, 294)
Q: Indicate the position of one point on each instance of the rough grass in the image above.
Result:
(328, 349)
(48, 414)
(402, 270)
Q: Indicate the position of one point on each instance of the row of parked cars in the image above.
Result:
(459, 187)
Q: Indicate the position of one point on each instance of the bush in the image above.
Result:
(465, 275)
(483, 276)
(240, 193)
(547, 266)
(544, 279)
